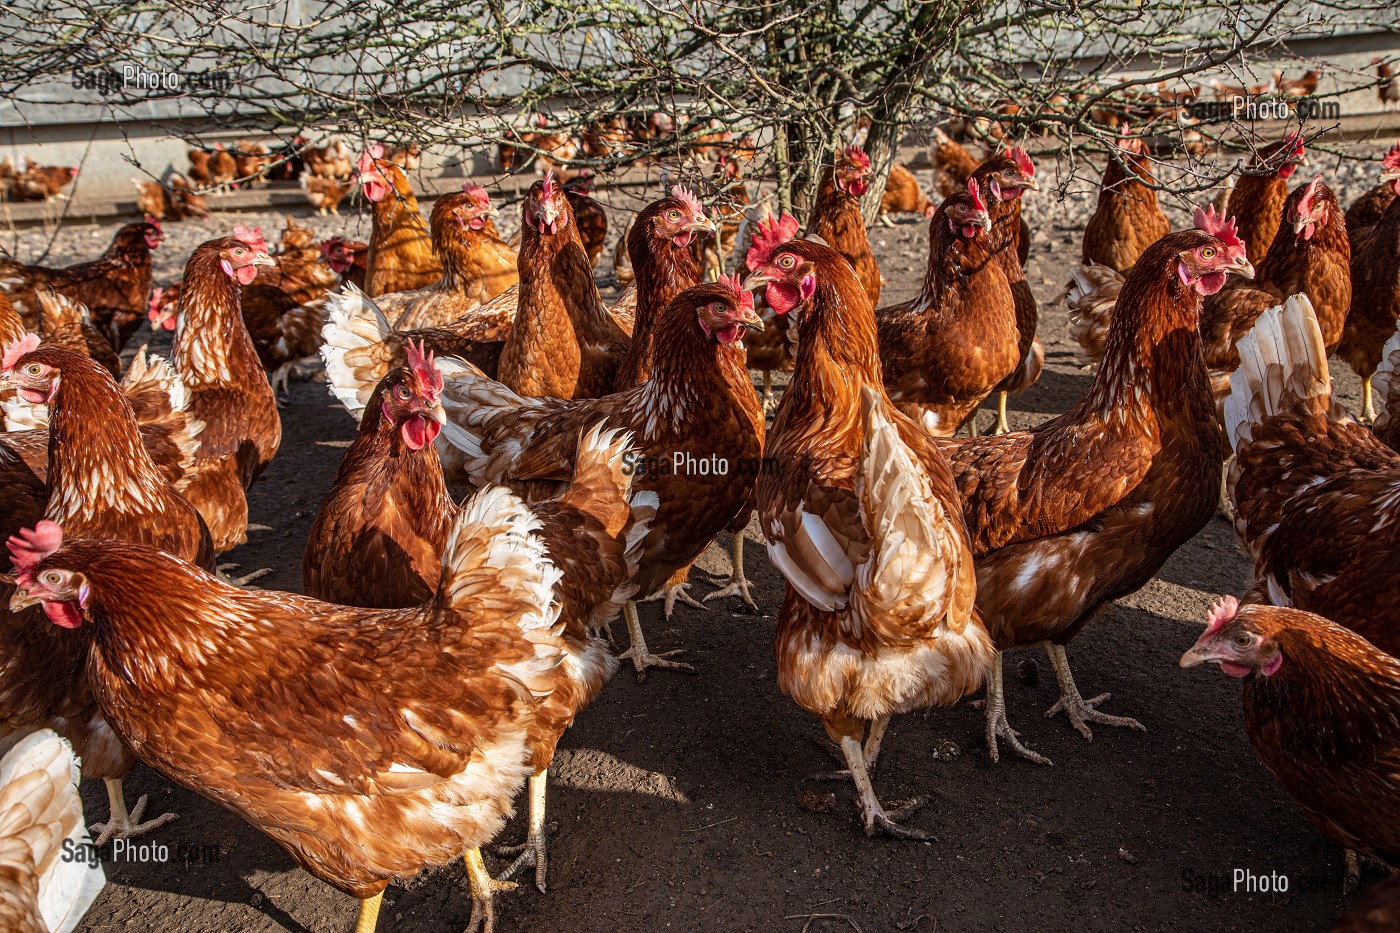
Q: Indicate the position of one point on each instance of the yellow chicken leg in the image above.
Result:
(1079, 710)
(642, 658)
(369, 913)
(535, 851)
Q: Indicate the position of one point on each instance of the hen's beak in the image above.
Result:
(1241, 267)
(983, 220)
(749, 318)
(263, 259)
(22, 599)
(756, 280)
(702, 226)
(437, 414)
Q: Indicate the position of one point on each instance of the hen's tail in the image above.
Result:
(1386, 390)
(496, 566)
(918, 577)
(602, 488)
(42, 886)
(161, 402)
(1093, 291)
(472, 400)
(1283, 370)
(359, 348)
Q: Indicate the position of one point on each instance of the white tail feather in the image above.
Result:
(40, 810)
(1282, 360)
(1383, 383)
(356, 347)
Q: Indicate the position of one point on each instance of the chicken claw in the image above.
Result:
(244, 580)
(123, 825)
(1079, 710)
(671, 594)
(999, 728)
(737, 584)
(484, 889)
(640, 657)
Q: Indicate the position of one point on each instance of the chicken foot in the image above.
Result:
(1079, 710)
(534, 852)
(642, 658)
(673, 591)
(369, 913)
(121, 824)
(243, 581)
(998, 727)
(484, 889)
(737, 584)
(875, 817)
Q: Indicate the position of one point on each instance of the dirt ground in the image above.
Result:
(682, 803)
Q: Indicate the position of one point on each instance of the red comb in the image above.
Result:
(18, 348)
(1023, 161)
(29, 548)
(1220, 613)
(1222, 228)
(476, 192)
(1305, 203)
(976, 191)
(365, 163)
(771, 234)
(154, 222)
(547, 188)
(735, 285)
(688, 200)
(253, 237)
(857, 155)
(1392, 158)
(420, 360)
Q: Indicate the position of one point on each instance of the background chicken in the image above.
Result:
(1388, 85)
(400, 248)
(37, 182)
(42, 888)
(953, 165)
(836, 216)
(1375, 279)
(324, 194)
(944, 350)
(1321, 708)
(589, 217)
(229, 391)
(1087, 507)
(174, 199)
(1004, 180)
(1309, 484)
(329, 161)
(903, 195)
(1310, 255)
(114, 287)
(386, 740)
(1256, 201)
(863, 522)
(697, 400)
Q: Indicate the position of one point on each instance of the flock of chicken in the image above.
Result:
(386, 719)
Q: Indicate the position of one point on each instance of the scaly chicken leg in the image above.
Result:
(1003, 426)
(872, 813)
(874, 735)
(998, 727)
(642, 658)
(121, 824)
(737, 584)
(535, 850)
(1368, 403)
(369, 913)
(484, 889)
(1079, 710)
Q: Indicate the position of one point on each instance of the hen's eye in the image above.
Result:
(52, 577)
(673, 214)
(786, 262)
(404, 393)
(34, 369)
(1208, 252)
(1241, 640)
(238, 251)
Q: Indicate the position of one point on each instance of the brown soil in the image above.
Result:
(681, 802)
